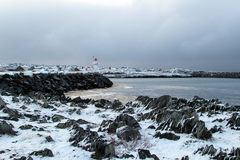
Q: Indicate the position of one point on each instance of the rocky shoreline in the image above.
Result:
(53, 126)
(53, 84)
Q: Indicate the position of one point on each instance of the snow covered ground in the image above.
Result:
(33, 139)
(110, 72)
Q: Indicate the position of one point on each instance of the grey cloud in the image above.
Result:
(149, 33)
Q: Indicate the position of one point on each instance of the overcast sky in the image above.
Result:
(194, 34)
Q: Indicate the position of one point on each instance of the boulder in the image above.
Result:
(155, 103)
(207, 150)
(47, 106)
(13, 113)
(103, 150)
(183, 121)
(81, 135)
(102, 103)
(234, 121)
(57, 118)
(6, 128)
(200, 131)
(23, 158)
(44, 153)
(2, 103)
(26, 126)
(145, 154)
(117, 105)
(128, 134)
(123, 120)
(167, 135)
(49, 139)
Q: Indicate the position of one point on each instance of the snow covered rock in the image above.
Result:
(234, 121)
(127, 133)
(219, 154)
(123, 120)
(155, 103)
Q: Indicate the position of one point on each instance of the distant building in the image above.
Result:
(95, 64)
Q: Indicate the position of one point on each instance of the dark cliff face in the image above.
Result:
(56, 84)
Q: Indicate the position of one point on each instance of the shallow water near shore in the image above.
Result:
(227, 90)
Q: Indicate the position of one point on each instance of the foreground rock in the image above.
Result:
(167, 135)
(6, 128)
(43, 153)
(123, 120)
(234, 121)
(103, 129)
(219, 153)
(145, 154)
(128, 134)
(174, 115)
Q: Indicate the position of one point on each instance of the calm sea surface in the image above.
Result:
(227, 90)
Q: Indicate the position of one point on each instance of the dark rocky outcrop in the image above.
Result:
(128, 134)
(216, 129)
(2, 103)
(234, 121)
(23, 158)
(80, 101)
(183, 121)
(26, 127)
(44, 153)
(145, 154)
(102, 103)
(207, 150)
(57, 118)
(6, 128)
(155, 103)
(49, 139)
(13, 113)
(175, 115)
(167, 135)
(54, 84)
(123, 120)
(69, 123)
(219, 154)
(103, 150)
(117, 105)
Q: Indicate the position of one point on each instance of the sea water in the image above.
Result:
(125, 89)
